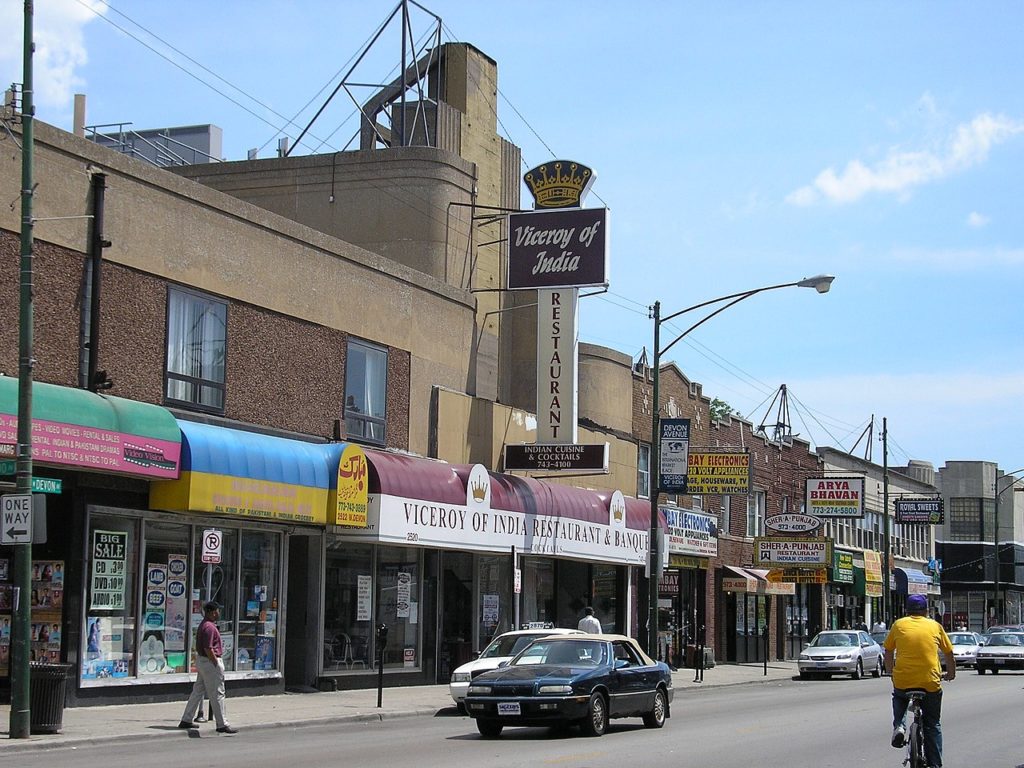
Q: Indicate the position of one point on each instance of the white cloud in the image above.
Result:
(60, 47)
(902, 170)
(977, 220)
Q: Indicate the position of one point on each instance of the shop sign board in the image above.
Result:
(873, 567)
(557, 457)
(926, 511)
(793, 522)
(673, 455)
(797, 576)
(779, 551)
(559, 248)
(691, 533)
(842, 567)
(353, 486)
(718, 472)
(109, 556)
(557, 365)
(834, 497)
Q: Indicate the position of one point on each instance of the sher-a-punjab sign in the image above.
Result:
(783, 552)
(718, 472)
(835, 497)
(558, 248)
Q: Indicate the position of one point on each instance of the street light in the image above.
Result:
(995, 583)
(820, 283)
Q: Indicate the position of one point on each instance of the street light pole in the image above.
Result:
(995, 583)
(821, 283)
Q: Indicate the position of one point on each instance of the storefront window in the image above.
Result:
(110, 605)
(604, 590)
(348, 601)
(165, 599)
(398, 585)
(495, 579)
(538, 598)
(217, 581)
(257, 625)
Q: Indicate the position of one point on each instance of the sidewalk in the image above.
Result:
(93, 725)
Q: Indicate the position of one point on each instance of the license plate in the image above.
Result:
(508, 707)
(823, 666)
(999, 661)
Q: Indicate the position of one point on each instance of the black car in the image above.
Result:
(583, 680)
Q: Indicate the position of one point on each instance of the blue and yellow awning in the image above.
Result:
(247, 474)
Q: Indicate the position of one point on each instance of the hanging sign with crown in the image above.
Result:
(559, 245)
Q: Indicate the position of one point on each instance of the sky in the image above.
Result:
(737, 145)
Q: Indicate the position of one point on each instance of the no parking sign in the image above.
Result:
(211, 545)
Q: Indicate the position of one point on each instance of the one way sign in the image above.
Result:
(16, 516)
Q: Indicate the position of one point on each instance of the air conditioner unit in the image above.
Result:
(839, 601)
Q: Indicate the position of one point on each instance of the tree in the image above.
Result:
(720, 409)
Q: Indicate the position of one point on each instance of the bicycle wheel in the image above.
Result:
(915, 747)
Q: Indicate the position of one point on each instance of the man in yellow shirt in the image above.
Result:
(913, 643)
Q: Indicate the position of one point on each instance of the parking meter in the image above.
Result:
(382, 640)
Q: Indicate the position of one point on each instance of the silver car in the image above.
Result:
(841, 652)
(965, 648)
(1004, 650)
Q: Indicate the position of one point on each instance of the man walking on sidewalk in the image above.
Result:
(210, 668)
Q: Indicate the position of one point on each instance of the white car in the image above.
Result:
(841, 652)
(501, 648)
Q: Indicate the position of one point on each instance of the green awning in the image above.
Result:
(100, 433)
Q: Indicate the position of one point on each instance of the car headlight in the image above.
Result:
(844, 655)
(479, 690)
(461, 677)
(804, 657)
(554, 689)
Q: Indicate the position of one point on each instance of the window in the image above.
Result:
(755, 513)
(965, 519)
(196, 350)
(366, 369)
(110, 609)
(643, 472)
(398, 591)
(166, 599)
(348, 611)
(726, 522)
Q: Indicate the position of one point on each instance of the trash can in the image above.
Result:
(47, 691)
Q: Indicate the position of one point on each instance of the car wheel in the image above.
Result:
(596, 721)
(995, 671)
(981, 670)
(877, 672)
(858, 671)
(804, 675)
(488, 728)
(656, 717)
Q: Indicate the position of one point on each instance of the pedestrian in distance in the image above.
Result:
(589, 622)
(210, 672)
(878, 626)
(910, 652)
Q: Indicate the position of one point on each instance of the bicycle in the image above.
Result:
(914, 738)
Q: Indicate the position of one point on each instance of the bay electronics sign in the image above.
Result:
(835, 497)
(718, 472)
(556, 251)
(928, 511)
(782, 552)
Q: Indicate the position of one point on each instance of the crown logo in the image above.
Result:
(617, 515)
(559, 184)
(479, 490)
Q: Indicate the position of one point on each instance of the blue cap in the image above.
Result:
(917, 603)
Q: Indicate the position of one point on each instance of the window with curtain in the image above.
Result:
(643, 472)
(196, 350)
(366, 370)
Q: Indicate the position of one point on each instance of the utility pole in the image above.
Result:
(20, 630)
(887, 543)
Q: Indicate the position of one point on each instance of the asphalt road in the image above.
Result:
(794, 723)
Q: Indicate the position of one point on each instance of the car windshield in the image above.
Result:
(565, 652)
(963, 638)
(507, 645)
(1005, 638)
(834, 640)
